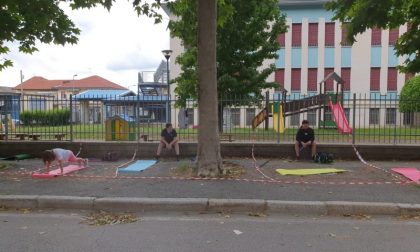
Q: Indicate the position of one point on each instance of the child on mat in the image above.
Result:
(60, 155)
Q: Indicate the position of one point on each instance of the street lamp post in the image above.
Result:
(167, 54)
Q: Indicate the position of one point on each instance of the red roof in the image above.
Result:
(92, 82)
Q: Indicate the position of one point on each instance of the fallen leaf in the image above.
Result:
(257, 215)
(104, 218)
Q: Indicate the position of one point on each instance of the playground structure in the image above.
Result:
(280, 110)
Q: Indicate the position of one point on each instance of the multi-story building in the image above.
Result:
(315, 45)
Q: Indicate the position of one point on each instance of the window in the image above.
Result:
(37, 104)
(327, 114)
(329, 34)
(344, 32)
(375, 77)
(295, 79)
(392, 79)
(296, 35)
(391, 116)
(312, 79)
(376, 36)
(408, 118)
(313, 34)
(190, 113)
(294, 120)
(250, 114)
(235, 116)
(311, 116)
(329, 84)
(374, 116)
(393, 36)
(347, 114)
(345, 75)
(281, 39)
(279, 78)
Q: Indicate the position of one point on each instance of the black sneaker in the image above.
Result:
(177, 157)
(157, 158)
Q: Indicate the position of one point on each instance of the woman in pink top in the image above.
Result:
(60, 155)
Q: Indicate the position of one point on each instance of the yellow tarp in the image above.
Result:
(304, 172)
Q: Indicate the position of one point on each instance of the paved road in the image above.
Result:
(63, 231)
(289, 188)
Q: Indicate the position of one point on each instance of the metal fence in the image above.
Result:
(360, 119)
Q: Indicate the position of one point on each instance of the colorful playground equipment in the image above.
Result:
(10, 124)
(280, 110)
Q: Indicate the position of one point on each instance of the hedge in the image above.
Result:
(46, 117)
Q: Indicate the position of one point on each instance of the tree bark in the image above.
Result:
(209, 160)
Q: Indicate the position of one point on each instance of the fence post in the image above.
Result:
(71, 118)
(395, 123)
(354, 120)
(278, 117)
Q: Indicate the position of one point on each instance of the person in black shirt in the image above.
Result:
(168, 140)
(305, 137)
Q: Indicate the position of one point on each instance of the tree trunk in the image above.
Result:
(209, 160)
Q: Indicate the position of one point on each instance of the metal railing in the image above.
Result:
(368, 118)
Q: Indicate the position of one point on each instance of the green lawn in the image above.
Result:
(97, 132)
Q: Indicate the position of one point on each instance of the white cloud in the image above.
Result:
(115, 45)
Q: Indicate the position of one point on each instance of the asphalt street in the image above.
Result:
(66, 231)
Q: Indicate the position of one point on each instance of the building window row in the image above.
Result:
(296, 32)
(312, 79)
(375, 79)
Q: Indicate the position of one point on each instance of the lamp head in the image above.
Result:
(167, 53)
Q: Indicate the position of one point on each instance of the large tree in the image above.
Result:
(29, 22)
(209, 161)
(247, 34)
(360, 15)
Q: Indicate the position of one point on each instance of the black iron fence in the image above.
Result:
(336, 119)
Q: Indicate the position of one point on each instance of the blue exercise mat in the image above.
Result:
(139, 165)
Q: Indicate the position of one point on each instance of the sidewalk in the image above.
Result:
(164, 186)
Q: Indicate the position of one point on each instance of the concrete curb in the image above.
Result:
(121, 204)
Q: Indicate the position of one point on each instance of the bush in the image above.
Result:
(410, 96)
(46, 117)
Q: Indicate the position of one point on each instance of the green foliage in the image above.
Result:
(360, 15)
(46, 117)
(410, 95)
(28, 22)
(246, 36)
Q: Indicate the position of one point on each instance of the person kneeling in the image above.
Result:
(168, 140)
(60, 156)
(305, 137)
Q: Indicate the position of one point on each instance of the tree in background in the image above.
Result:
(29, 22)
(410, 97)
(247, 34)
(360, 15)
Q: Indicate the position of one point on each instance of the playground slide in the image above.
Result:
(340, 119)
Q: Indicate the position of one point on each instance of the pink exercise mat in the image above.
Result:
(410, 173)
(57, 172)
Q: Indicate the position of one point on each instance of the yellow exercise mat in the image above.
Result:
(304, 172)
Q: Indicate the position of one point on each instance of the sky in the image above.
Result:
(115, 45)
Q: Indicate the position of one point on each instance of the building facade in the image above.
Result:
(315, 46)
